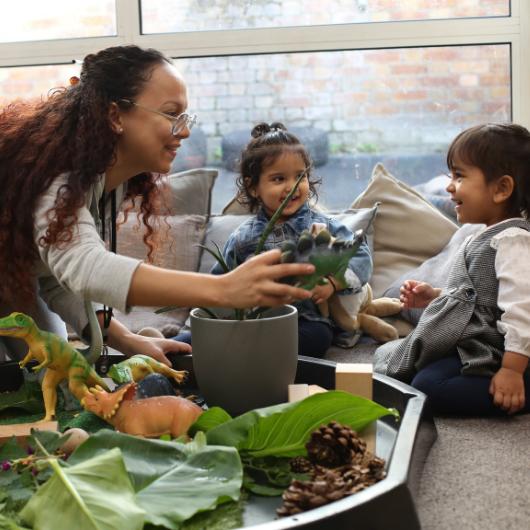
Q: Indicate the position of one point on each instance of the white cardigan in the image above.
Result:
(83, 268)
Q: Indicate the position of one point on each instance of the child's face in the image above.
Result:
(277, 180)
(475, 199)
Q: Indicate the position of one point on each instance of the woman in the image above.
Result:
(122, 123)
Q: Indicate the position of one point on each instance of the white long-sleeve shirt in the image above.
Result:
(82, 268)
(512, 269)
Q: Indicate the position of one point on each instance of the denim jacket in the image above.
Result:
(242, 244)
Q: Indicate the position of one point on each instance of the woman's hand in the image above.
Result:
(414, 294)
(122, 339)
(156, 347)
(254, 283)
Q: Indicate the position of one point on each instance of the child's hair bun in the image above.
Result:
(263, 128)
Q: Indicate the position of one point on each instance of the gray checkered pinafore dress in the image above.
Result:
(462, 320)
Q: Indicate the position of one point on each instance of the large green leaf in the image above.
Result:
(144, 459)
(173, 480)
(92, 495)
(283, 430)
(208, 477)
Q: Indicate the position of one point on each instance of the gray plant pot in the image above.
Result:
(245, 364)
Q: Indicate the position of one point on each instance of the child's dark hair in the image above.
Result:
(497, 149)
(267, 144)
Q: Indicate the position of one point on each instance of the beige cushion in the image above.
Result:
(178, 248)
(234, 207)
(408, 229)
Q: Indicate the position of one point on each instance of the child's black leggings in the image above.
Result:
(450, 392)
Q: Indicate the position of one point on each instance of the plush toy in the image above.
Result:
(353, 312)
(359, 311)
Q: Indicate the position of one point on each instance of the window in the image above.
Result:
(167, 16)
(30, 20)
(373, 80)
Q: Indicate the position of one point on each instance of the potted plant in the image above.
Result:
(246, 358)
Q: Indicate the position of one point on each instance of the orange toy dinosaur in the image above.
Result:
(149, 417)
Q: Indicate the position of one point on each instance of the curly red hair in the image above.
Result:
(68, 132)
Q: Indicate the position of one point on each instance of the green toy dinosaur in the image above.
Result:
(58, 356)
(330, 257)
(137, 367)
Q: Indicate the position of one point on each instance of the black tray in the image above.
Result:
(404, 444)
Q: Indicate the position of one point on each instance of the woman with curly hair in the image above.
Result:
(118, 128)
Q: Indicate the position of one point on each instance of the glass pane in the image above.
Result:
(34, 81)
(355, 108)
(166, 16)
(30, 20)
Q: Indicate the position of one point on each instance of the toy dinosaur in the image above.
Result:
(60, 359)
(351, 312)
(329, 256)
(149, 417)
(138, 366)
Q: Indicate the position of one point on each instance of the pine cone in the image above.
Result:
(301, 464)
(334, 445)
(326, 486)
(358, 476)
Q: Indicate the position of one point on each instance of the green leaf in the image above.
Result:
(11, 450)
(9, 523)
(144, 459)
(173, 480)
(50, 440)
(283, 430)
(93, 495)
(209, 419)
(208, 477)
(28, 398)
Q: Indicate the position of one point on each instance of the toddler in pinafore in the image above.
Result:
(270, 165)
(469, 352)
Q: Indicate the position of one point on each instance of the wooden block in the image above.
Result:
(315, 389)
(22, 430)
(297, 392)
(356, 378)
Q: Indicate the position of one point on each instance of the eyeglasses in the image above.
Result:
(178, 123)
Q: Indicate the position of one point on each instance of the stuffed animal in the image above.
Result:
(359, 311)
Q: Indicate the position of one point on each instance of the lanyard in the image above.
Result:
(107, 311)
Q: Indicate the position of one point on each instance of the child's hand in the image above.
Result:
(322, 292)
(507, 389)
(417, 294)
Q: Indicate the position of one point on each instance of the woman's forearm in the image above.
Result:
(153, 286)
(253, 283)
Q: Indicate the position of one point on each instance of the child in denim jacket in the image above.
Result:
(270, 165)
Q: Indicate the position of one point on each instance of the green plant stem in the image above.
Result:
(278, 212)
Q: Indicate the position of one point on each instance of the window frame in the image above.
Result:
(513, 30)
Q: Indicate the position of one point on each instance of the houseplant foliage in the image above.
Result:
(243, 314)
(114, 480)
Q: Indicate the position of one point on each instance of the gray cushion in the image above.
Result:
(190, 191)
(179, 243)
(435, 270)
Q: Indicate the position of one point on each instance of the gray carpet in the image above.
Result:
(477, 474)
